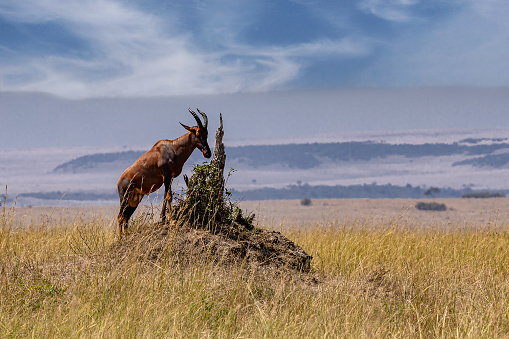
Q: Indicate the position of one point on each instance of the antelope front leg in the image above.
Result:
(167, 199)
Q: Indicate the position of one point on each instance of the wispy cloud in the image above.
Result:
(133, 53)
(114, 48)
(392, 10)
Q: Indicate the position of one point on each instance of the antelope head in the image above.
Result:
(200, 133)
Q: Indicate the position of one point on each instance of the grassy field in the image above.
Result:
(380, 269)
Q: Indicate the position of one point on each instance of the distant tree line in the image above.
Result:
(296, 192)
(78, 196)
(372, 191)
(483, 195)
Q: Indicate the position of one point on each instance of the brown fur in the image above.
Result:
(158, 166)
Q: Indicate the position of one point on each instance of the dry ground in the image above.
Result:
(290, 212)
(458, 210)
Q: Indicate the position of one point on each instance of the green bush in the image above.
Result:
(207, 202)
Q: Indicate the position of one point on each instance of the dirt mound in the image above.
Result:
(207, 227)
(226, 245)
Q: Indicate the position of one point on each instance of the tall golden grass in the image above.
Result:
(370, 278)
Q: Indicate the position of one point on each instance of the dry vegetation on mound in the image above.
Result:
(370, 277)
(228, 245)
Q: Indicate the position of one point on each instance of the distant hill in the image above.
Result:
(490, 160)
(307, 156)
(92, 161)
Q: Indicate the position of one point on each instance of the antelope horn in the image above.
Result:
(205, 119)
(196, 117)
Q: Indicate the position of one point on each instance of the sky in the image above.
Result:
(143, 48)
(110, 72)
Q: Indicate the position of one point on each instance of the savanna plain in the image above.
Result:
(380, 268)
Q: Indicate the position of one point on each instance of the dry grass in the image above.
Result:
(372, 275)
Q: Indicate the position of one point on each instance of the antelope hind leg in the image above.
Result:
(127, 208)
(123, 218)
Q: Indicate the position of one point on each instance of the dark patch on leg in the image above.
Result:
(123, 218)
(128, 212)
(125, 192)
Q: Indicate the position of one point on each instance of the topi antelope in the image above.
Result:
(158, 166)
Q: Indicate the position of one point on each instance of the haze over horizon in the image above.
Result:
(109, 72)
(41, 120)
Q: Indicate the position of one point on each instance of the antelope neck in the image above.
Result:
(184, 146)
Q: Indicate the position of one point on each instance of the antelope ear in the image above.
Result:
(186, 127)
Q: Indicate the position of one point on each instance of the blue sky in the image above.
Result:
(86, 49)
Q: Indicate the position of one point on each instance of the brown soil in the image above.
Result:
(459, 211)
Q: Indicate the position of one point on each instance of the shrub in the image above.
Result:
(430, 206)
(432, 191)
(207, 202)
(305, 202)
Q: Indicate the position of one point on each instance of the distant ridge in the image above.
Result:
(93, 160)
(307, 156)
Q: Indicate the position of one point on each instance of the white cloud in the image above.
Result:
(324, 48)
(391, 10)
(135, 54)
